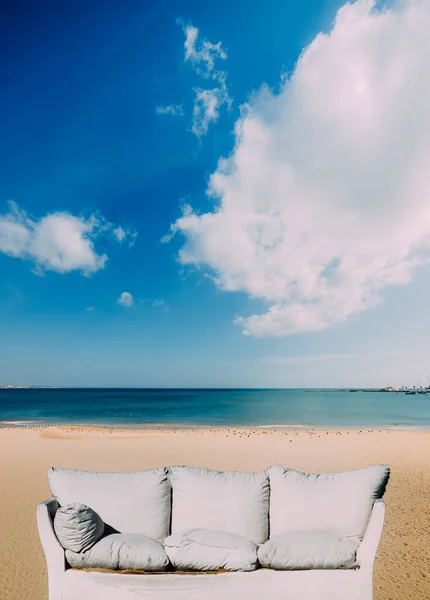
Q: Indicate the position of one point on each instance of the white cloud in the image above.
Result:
(202, 53)
(206, 109)
(126, 300)
(317, 358)
(121, 234)
(38, 271)
(57, 242)
(309, 358)
(172, 109)
(90, 308)
(159, 303)
(325, 199)
(207, 102)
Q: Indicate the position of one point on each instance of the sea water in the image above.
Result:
(214, 407)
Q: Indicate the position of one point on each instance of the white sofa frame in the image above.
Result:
(59, 572)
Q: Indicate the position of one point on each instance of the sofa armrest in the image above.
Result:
(367, 550)
(54, 552)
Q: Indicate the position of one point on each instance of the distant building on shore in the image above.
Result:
(13, 387)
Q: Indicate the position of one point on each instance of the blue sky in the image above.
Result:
(119, 268)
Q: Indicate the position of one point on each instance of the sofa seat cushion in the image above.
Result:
(338, 502)
(309, 550)
(234, 502)
(136, 502)
(121, 551)
(78, 527)
(207, 550)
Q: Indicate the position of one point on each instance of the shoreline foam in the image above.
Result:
(30, 424)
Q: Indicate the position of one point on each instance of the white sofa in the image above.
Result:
(240, 503)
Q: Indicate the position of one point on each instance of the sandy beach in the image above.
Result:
(402, 568)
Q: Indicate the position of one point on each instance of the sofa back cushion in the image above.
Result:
(338, 502)
(136, 502)
(234, 502)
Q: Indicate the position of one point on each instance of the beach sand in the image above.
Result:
(402, 568)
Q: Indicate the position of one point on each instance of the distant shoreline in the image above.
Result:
(141, 427)
(373, 390)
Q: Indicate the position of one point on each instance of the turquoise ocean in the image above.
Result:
(214, 407)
